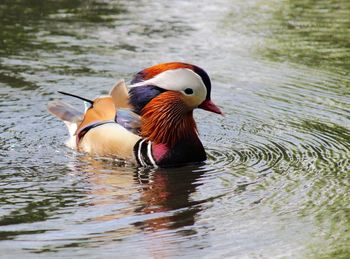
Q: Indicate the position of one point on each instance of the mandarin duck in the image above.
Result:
(149, 123)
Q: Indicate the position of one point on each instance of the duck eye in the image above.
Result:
(188, 91)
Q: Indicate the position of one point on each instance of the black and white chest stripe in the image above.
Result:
(143, 153)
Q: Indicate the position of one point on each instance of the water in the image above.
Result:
(276, 183)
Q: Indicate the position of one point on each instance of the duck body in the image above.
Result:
(149, 123)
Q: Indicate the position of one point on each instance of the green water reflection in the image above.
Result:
(315, 33)
(22, 20)
(28, 27)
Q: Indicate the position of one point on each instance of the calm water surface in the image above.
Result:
(276, 183)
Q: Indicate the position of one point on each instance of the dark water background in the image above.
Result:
(276, 183)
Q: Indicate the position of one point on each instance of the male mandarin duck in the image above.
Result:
(151, 124)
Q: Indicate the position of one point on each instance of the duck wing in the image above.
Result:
(129, 120)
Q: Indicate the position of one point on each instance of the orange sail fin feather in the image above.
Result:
(103, 109)
(120, 95)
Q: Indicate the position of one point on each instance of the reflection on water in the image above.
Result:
(124, 203)
(315, 33)
(277, 179)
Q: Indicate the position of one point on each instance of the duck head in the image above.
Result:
(191, 81)
(165, 96)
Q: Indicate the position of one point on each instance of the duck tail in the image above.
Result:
(67, 113)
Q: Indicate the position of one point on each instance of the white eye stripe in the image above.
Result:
(178, 80)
